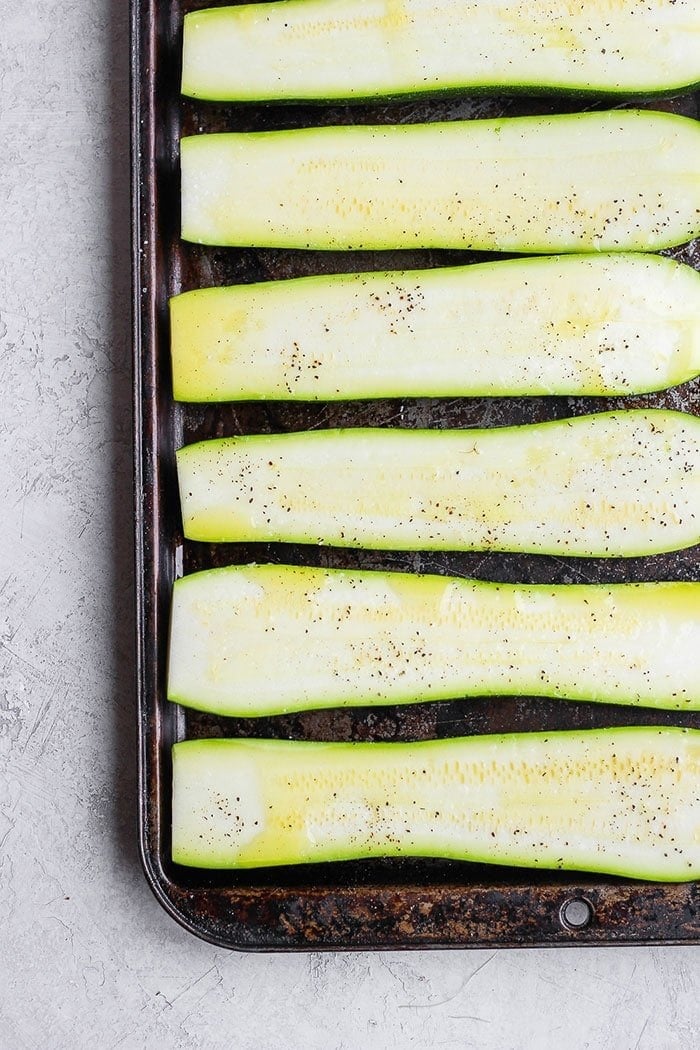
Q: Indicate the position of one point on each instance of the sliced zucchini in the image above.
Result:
(343, 49)
(359, 638)
(623, 801)
(608, 324)
(612, 181)
(614, 484)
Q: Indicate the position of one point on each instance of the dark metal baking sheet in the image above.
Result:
(378, 904)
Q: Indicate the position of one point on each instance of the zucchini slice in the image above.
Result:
(608, 324)
(622, 801)
(611, 181)
(345, 49)
(613, 484)
(358, 638)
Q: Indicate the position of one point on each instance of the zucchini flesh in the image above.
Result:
(612, 181)
(608, 324)
(613, 484)
(359, 638)
(325, 49)
(623, 801)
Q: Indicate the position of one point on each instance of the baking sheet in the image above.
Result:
(399, 903)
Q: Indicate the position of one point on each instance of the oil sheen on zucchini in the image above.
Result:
(623, 801)
(343, 49)
(360, 638)
(613, 484)
(610, 181)
(607, 324)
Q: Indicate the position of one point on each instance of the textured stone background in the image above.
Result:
(87, 958)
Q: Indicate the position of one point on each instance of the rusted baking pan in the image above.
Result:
(385, 903)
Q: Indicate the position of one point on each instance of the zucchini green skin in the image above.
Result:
(621, 801)
(600, 325)
(362, 638)
(613, 181)
(376, 48)
(608, 485)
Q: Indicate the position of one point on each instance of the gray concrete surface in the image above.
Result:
(87, 958)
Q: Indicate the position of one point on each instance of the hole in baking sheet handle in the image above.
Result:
(575, 913)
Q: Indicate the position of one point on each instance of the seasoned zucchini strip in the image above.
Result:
(330, 49)
(611, 181)
(607, 324)
(358, 638)
(623, 801)
(614, 484)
